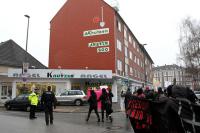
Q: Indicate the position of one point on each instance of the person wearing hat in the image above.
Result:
(33, 99)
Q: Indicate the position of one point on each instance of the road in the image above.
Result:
(18, 122)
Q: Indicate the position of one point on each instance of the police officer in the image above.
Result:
(48, 101)
(33, 98)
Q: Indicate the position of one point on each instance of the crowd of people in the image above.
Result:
(163, 108)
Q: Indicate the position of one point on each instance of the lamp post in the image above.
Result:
(27, 16)
(25, 64)
(145, 76)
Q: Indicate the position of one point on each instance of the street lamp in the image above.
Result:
(25, 64)
(27, 16)
(145, 76)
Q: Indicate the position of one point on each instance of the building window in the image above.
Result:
(119, 26)
(133, 43)
(135, 60)
(126, 42)
(125, 32)
(126, 69)
(130, 55)
(131, 71)
(119, 45)
(129, 39)
(126, 51)
(138, 61)
(119, 65)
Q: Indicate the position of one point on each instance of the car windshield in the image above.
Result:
(22, 96)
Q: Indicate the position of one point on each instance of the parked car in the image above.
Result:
(76, 97)
(197, 93)
(20, 102)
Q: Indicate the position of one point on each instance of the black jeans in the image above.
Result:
(49, 114)
(90, 110)
(32, 111)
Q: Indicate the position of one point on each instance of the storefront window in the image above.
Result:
(28, 87)
(6, 90)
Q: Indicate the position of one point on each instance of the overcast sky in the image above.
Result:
(154, 22)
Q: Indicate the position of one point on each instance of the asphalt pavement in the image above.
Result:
(18, 122)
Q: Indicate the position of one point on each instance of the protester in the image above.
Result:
(169, 91)
(93, 105)
(140, 93)
(105, 105)
(160, 94)
(128, 95)
(110, 95)
(48, 101)
(183, 92)
(148, 93)
(33, 99)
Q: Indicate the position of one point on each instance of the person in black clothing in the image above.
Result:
(48, 101)
(93, 105)
(105, 104)
(110, 95)
(128, 95)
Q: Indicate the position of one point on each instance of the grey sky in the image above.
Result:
(154, 22)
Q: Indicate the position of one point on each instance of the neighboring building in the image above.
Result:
(167, 74)
(12, 56)
(91, 35)
(14, 82)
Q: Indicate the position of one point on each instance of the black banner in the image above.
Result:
(167, 115)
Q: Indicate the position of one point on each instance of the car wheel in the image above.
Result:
(78, 102)
(8, 107)
(28, 108)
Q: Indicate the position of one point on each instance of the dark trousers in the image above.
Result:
(48, 114)
(32, 111)
(102, 113)
(95, 110)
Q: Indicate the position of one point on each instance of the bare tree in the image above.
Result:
(189, 42)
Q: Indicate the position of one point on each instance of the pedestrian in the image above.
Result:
(93, 105)
(140, 93)
(48, 101)
(148, 93)
(33, 99)
(110, 95)
(128, 95)
(105, 104)
(160, 94)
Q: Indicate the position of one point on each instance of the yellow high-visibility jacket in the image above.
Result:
(33, 98)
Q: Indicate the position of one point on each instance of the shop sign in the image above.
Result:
(98, 44)
(102, 76)
(96, 32)
(61, 73)
(102, 49)
(34, 75)
(97, 83)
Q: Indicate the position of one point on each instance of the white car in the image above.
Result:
(76, 97)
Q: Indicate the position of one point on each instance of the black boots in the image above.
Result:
(110, 118)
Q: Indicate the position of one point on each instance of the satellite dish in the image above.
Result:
(102, 24)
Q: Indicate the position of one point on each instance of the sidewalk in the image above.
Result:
(76, 109)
